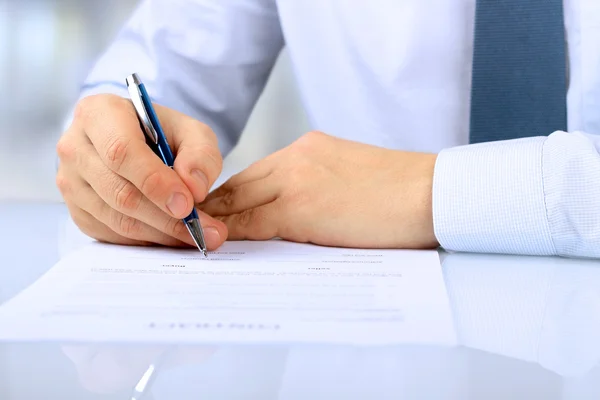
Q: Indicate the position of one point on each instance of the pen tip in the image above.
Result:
(193, 226)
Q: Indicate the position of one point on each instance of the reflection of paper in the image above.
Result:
(246, 292)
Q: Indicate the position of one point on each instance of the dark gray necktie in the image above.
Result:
(519, 70)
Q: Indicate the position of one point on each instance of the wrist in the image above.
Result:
(424, 201)
(411, 187)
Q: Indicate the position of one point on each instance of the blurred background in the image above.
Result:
(47, 48)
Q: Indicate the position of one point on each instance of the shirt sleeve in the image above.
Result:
(533, 196)
(209, 59)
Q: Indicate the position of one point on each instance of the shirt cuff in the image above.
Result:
(489, 198)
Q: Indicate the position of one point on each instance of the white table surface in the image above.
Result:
(528, 327)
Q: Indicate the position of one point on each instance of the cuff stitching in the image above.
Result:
(552, 241)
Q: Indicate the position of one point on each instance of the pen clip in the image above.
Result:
(133, 82)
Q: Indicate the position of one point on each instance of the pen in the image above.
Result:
(156, 139)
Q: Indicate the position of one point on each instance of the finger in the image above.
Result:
(259, 170)
(126, 210)
(93, 228)
(113, 128)
(85, 221)
(133, 228)
(261, 223)
(240, 198)
(198, 160)
(122, 224)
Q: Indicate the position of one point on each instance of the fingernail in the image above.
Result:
(200, 178)
(177, 204)
(212, 236)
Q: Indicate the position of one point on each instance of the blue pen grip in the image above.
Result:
(193, 215)
(163, 146)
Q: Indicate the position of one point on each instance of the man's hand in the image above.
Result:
(334, 192)
(119, 191)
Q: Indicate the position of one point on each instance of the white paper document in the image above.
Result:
(246, 292)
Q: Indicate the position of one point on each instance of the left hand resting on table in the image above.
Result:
(332, 192)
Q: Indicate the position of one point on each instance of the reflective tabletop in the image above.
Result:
(528, 328)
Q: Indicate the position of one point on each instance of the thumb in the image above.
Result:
(198, 159)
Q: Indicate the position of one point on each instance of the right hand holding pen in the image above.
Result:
(118, 191)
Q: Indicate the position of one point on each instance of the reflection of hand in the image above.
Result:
(108, 369)
(331, 191)
(118, 191)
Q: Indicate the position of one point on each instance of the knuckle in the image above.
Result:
(172, 227)
(314, 134)
(219, 192)
(127, 197)
(114, 101)
(116, 152)
(63, 184)
(194, 125)
(308, 141)
(65, 149)
(178, 230)
(311, 136)
(152, 183)
(229, 197)
(83, 108)
(206, 157)
(125, 225)
(247, 218)
(90, 106)
(213, 153)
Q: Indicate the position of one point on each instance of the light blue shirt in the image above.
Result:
(390, 73)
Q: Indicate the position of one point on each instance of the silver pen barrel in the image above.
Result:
(193, 226)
